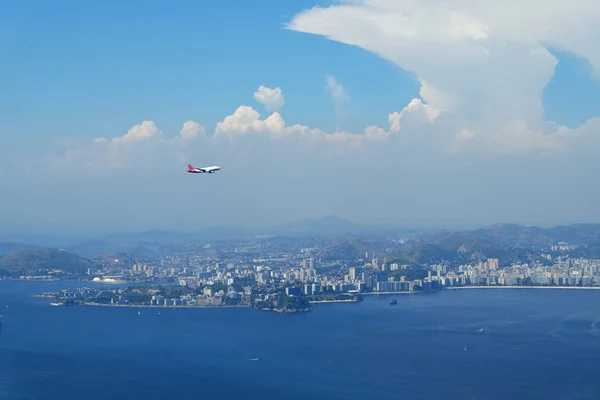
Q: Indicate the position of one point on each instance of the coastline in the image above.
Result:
(333, 301)
(45, 280)
(185, 307)
(379, 293)
(313, 302)
(524, 287)
(159, 306)
(286, 310)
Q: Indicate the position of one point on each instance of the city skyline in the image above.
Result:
(485, 119)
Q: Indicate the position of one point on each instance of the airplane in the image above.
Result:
(204, 170)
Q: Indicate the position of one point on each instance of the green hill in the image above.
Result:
(41, 261)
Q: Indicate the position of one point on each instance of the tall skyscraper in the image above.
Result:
(353, 274)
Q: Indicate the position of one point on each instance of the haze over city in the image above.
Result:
(333, 110)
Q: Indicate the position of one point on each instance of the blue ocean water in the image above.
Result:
(536, 344)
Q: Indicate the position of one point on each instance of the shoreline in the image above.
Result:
(523, 287)
(161, 307)
(333, 301)
(82, 280)
(379, 293)
(314, 302)
(156, 306)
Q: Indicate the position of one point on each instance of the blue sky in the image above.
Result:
(72, 71)
(117, 63)
(573, 95)
(66, 63)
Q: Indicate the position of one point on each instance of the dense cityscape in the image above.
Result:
(261, 275)
(299, 200)
(291, 270)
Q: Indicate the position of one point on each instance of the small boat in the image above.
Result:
(480, 330)
(393, 303)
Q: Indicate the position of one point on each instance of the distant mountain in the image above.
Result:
(578, 234)
(225, 232)
(151, 237)
(326, 225)
(521, 236)
(455, 250)
(587, 251)
(507, 242)
(155, 235)
(93, 248)
(535, 237)
(40, 260)
(336, 235)
(345, 250)
(6, 247)
(120, 258)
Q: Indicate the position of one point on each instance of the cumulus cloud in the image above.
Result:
(416, 111)
(412, 170)
(482, 68)
(141, 132)
(271, 99)
(192, 130)
(433, 131)
(484, 62)
(473, 143)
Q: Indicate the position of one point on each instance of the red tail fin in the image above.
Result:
(190, 168)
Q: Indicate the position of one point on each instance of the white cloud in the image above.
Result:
(416, 112)
(482, 66)
(474, 144)
(419, 128)
(484, 63)
(338, 96)
(465, 135)
(413, 170)
(192, 130)
(271, 99)
(130, 149)
(336, 90)
(141, 132)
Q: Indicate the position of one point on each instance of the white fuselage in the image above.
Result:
(203, 170)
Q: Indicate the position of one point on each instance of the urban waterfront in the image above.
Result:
(292, 288)
(483, 344)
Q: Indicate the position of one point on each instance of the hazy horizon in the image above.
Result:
(70, 237)
(311, 109)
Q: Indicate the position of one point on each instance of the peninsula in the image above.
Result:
(185, 297)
